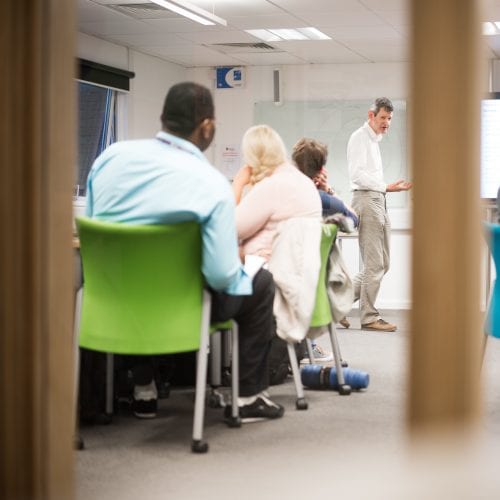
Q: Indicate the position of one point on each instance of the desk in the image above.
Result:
(347, 236)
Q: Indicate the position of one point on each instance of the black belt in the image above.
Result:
(369, 191)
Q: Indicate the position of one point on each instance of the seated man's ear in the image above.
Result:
(208, 128)
(204, 133)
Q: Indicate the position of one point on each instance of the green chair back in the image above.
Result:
(322, 314)
(143, 287)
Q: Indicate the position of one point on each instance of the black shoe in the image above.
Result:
(261, 409)
(145, 408)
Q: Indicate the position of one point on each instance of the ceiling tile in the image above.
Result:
(265, 22)
(394, 18)
(387, 5)
(320, 52)
(90, 12)
(324, 6)
(273, 58)
(151, 39)
(195, 58)
(367, 33)
(223, 8)
(222, 36)
(382, 51)
(116, 28)
(341, 19)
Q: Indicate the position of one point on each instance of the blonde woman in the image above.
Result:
(275, 191)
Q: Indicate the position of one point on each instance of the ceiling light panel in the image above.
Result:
(286, 34)
(265, 35)
(191, 11)
(489, 28)
(313, 34)
(289, 34)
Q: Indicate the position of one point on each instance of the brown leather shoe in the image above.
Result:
(379, 326)
(345, 322)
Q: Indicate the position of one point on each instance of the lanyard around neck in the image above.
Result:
(177, 146)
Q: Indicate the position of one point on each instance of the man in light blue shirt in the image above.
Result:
(167, 180)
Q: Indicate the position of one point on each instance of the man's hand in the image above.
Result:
(400, 185)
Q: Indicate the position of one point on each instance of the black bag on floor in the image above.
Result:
(278, 361)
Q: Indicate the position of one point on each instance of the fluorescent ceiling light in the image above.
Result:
(497, 24)
(289, 34)
(265, 35)
(314, 34)
(490, 28)
(191, 11)
(279, 35)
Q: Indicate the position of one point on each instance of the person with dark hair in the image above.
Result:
(310, 157)
(167, 180)
(369, 191)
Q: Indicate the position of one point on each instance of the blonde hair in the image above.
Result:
(264, 150)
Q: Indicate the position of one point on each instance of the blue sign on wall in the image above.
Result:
(229, 77)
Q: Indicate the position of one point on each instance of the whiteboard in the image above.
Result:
(333, 122)
(490, 148)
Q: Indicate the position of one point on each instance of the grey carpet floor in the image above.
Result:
(351, 446)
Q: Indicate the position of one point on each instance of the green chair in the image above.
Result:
(144, 294)
(321, 317)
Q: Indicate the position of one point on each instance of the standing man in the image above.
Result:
(369, 191)
(167, 180)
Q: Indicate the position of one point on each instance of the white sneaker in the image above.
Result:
(320, 355)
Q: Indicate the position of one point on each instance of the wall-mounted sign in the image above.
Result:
(230, 77)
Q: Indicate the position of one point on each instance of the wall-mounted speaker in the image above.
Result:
(277, 91)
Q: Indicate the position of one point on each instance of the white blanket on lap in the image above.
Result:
(295, 263)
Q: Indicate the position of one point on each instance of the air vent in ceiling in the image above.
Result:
(243, 48)
(143, 10)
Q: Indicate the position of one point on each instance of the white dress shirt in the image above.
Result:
(364, 160)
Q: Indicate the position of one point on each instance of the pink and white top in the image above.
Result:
(285, 194)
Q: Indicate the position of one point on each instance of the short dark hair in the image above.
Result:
(186, 105)
(382, 103)
(310, 156)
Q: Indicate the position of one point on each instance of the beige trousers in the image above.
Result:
(374, 237)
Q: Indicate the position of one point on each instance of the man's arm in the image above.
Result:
(221, 264)
(332, 204)
(399, 185)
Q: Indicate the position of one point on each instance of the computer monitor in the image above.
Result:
(490, 146)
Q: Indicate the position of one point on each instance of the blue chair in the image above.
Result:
(144, 294)
(492, 323)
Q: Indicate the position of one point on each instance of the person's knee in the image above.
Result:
(263, 284)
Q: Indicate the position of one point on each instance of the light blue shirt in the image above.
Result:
(168, 180)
